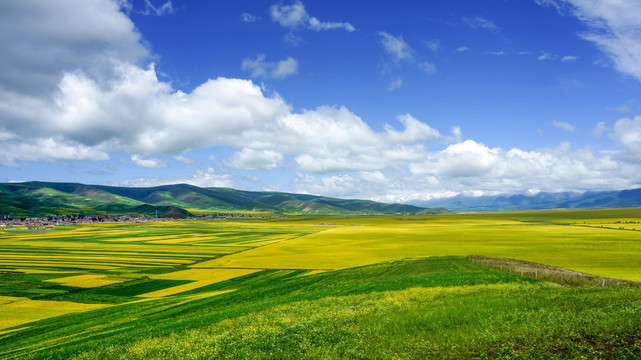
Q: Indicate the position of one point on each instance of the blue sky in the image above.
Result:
(379, 100)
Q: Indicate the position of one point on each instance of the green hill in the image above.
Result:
(47, 198)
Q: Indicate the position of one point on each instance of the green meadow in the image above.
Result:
(291, 287)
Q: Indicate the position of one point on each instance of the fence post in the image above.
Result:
(603, 283)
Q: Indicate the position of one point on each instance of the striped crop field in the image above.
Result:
(107, 289)
(199, 278)
(16, 311)
(84, 281)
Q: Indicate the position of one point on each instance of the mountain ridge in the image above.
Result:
(540, 201)
(38, 198)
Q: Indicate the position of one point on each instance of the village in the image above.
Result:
(49, 222)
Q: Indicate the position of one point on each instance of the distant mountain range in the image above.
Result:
(181, 200)
(560, 200)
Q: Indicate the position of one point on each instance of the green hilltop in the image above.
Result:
(181, 200)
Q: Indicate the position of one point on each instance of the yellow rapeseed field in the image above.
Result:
(360, 241)
(200, 278)
(85, 281)
(16, 311)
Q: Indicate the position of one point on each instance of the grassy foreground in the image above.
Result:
(322, 287)
(435, 307)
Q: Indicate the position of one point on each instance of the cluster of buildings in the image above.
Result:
(48, 222)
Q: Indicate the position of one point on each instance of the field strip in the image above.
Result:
(3, 332)
(84, 281)
(200, 278)
(213, 263)
(16, 311)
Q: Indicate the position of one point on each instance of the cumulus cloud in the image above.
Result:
(472, 168)
(295, 16)
(47, 149)
(614, 26)
(563, 125)
(627, 132)
(464, 165)
(250, 159)
(276, 70)
(150, 163)
(203, 178)
(92, 92)
(64, 35)
(127, 109)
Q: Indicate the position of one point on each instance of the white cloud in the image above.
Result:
(433, 45)
(150, 163)
(473, 168)
(330, 139)
(396, 46)
(402, 52)
(466, 165)
(622, 109)
(248, 18)
(250, 159)
(261, 68)
(88, 95)
(47, 149)
(627, 132)
(428, 67)
(546, 56)
(151, 9)
(395, 84)
(295, 16)
(614, 26)
(569, 58)
(203, 178)
(183, 159)
(462, 49)
(285, 68)
(478, 22)
(563, 125)
(64, 35)
(498, 53)
(293, 39)
(600, 129)
(343, 185)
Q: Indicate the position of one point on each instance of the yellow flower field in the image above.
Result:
(200, 278)
(16, 311)
(85, 281)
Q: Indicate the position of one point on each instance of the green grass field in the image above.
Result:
(357, 287)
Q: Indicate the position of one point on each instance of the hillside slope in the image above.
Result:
(47, 198)
(540, 201)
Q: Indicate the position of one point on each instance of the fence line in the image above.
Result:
(547, 272)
